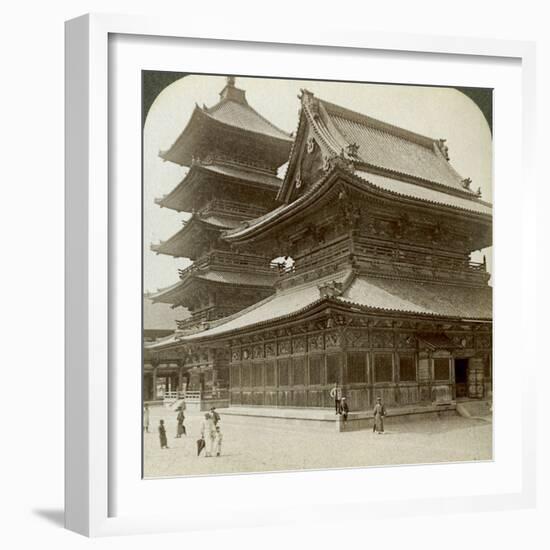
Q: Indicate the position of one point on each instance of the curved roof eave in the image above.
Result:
(317, 305)
(315, 193)
(182, 235)
(172, 199)
(176, 153)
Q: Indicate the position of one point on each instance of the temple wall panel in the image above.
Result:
(408, 394)
(270, 399)
(297, 366)
(388, 393)
(316, 398)
(359, 399)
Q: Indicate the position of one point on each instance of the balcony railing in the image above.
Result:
(229, 261)
(234, 208)
(365, 250)
(424, 259)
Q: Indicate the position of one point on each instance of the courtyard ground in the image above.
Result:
(259, 445)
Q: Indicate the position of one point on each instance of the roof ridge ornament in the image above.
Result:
(339, 160)
(352, 150)
(308, 99)
(442, 146)
(466, 182)
(331, 289)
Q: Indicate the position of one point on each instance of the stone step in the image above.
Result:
(475, 409)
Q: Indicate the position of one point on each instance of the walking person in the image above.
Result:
(344, 409)
(215, 415)
(181, 428)
(379, 414)
(146, 417)
(162, 435)
(219, 438)
(336, 394)
(208, 433)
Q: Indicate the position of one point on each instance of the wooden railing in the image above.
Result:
(196, 396)
(228, 260)
(193, 396)
(424, 259)
(368, 250)
(240, 209)
(319, 258)
(173, 395)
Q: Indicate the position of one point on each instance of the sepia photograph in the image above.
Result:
(317, 274)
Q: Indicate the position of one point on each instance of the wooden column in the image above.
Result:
(155, 367)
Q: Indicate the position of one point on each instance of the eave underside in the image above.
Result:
(409, 195)
(227, 180)
(211, 279)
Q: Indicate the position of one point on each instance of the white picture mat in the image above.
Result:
(302, 494)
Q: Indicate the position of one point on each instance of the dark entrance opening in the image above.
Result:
(461, 377)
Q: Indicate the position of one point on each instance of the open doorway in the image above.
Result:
(461, 377)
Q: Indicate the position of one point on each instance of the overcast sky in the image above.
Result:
(434, 112)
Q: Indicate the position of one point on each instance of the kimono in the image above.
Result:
(181, 427)
(162, 436)
(218, 443)
(344, 409)
(146, 419)
(208, 433)
(379, 413)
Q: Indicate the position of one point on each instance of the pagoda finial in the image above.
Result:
(232, 93)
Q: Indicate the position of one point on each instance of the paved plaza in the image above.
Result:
(261, 445)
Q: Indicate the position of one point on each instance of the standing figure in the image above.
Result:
(344, 409)
(219, 438)
(215, 415)
(379, 414)
(181, 427)
(336, 394)
(146, 417)
(162, 435)
(208, 433)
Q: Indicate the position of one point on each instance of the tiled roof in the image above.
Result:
(245, 117)
(420, 297)
(368, 293)
(165, 295)
(218, 221)
(236, 278)
(157, 316)
(182, 196)
(174, 338)
(392, 148)
(205, 127)
(242, 173)
(179, 244)
(406, 189)
(280, 305)
(170, 294)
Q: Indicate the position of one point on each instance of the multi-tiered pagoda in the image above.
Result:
(383, 298)
(233, 155)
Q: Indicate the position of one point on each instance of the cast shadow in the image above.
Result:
(56, 517)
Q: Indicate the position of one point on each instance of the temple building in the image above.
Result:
(159, 322)
(383, 297)
(233, 155)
